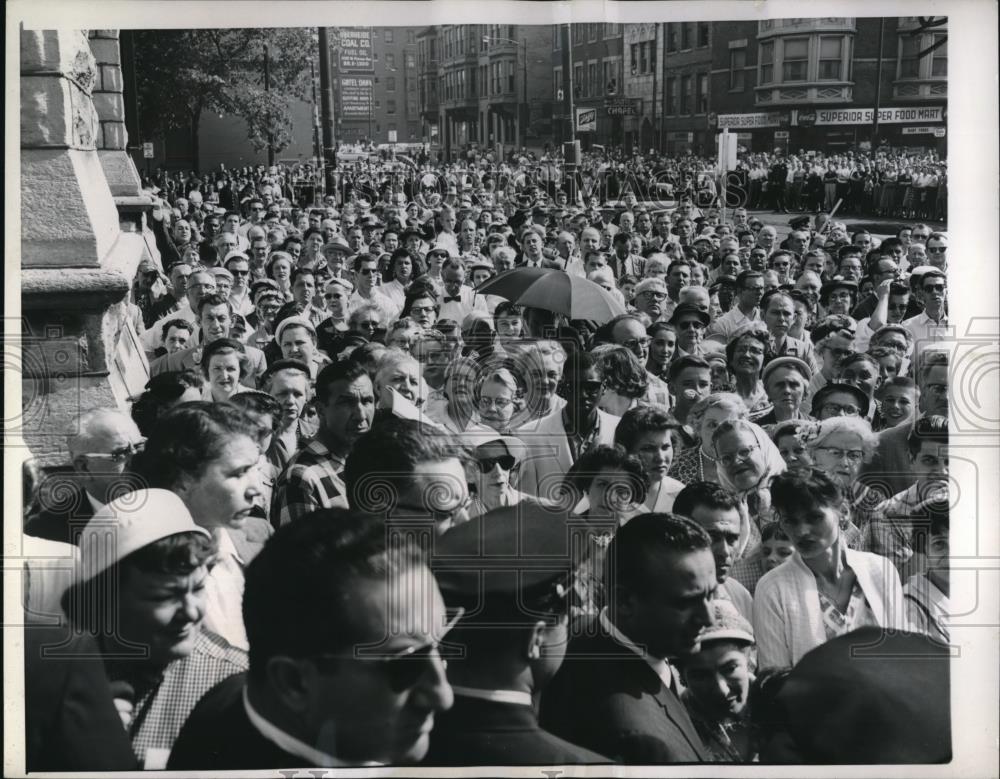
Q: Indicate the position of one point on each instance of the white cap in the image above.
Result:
(129, 523)
(293, 321)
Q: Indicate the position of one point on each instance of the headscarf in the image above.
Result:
(774, 464)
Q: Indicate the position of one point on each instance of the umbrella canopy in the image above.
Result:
(557, 291)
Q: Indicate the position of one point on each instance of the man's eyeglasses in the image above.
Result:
(444, 517)
(122, 454)
(238, 272)
(402, 669)
(739, 455)
(937, 249)
(421, 309)
(935, 288)
(655, 295)
(635, 343)
(852, 455)
(368, 271)
(506, 462)
(590, 387)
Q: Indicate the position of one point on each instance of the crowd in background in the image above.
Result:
(727, 441)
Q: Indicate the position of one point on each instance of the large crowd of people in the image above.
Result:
(374, 509)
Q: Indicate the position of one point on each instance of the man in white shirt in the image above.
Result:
(200, 284)
(457, 299)
(366, 278)
(749, 291)
(932, 325)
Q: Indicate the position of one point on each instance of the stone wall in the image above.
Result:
(78, 191)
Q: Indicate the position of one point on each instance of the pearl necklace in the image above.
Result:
(701, 463)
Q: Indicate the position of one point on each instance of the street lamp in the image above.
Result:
(522, 47)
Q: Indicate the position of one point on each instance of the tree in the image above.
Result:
(182, 73)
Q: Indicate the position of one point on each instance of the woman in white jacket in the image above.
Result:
(825, 589)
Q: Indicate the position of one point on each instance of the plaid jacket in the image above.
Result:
(163, 703)
(310, 481)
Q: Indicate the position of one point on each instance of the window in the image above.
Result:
(767, 62)
(592, 32)
(642, 57)
(576, 34)
(909, 65)
(634, 64)
(390, 61)
(671, 37)
(556, 37)
(410, 62)
(579, 84)
(472, 81)
(795, 65)
(612, 30)
(388, 36)
(652, 56)
(737, 74)
(703, 33)
(830, 58)
(702, 94)
(510, 76)
(671, 95)
(390, 84)
(686, 97)
(593, 84)
(685, 35)
(611, 77)
(411, 36)
(939, 58)
(557, 82)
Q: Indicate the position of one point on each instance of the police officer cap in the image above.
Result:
(513, 561)
(799, 222)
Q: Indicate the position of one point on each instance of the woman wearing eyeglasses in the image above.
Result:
(826, 589)
(747, 461)
(838, 446)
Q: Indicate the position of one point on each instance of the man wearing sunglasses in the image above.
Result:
(496, 671)
(559, 439)
(101, 444)
(367, 277)
(346, 668)
(932, 324)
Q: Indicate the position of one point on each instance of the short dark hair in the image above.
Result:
(183, 324)
(314, 564)
(684, 362)
(933, 428)
(380, 466)
(636, 551)
(215, 299)
(161, 394)
(642, 419)
(363, 257)
(792, 493)
(581, 475)
(297, 272)
(225, 346)
(187, 438)
(745, 276)
(703, 493)
(257, 402)
(342, 370)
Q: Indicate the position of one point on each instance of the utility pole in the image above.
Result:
(326, 108)
(567, 63)
(878, 84)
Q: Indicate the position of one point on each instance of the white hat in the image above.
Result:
(129, 523)
(293, 321)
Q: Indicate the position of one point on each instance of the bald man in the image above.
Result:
(101, 444)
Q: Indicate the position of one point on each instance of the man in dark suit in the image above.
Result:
(101, 444)
(616, 691)
(511, 641)
(342, 671)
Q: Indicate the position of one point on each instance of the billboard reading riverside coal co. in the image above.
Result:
(356, 50)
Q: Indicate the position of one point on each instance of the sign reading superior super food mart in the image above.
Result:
(828, 116)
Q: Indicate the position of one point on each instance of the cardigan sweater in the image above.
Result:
(787, 617)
